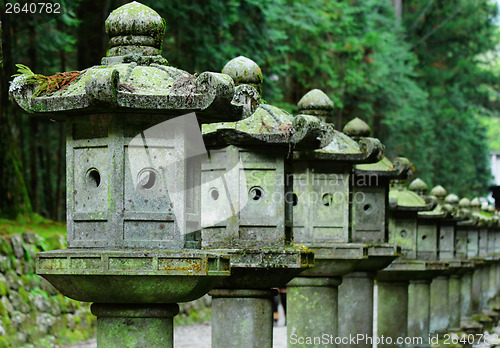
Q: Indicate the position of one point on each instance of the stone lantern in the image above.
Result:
(480, 279)
(428, 248)
(463, 242)
(487, 231)
(445, 313)
(368, 224)
(459, 267)
(133, 181)
(321, 181)
(247, 203)
(404, 311)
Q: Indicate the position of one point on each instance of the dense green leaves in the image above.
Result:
(448, 39)
(424, 82)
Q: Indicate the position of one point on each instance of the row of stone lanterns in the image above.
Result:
(179, 185)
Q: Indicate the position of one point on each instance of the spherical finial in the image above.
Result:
(419, 186)
(451, 199)
(243, 71)
(315, 99)
(439, 191)
(475, 203)
(357, 128)
(464, 203)
(135, 28)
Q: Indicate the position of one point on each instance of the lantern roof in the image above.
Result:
(133, 78)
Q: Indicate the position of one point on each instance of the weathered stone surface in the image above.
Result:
(419, 311)
(439, 305)
(419, 186)
(355, 316)
(315, 99)
(135, 28)
(25, 305)
(243, 71)
(242, 318)
(87, 275)
(392, 312)
(439, 191)
(132, 325)
(312, 310)
(17, 245)
(357, 128)
(134, 77)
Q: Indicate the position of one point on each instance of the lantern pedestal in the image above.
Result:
(312, 298)
(439, 305)
(356, 292)
(242, 318)
(135, 325)
(419, 295)
(242, 303)
(392, 311)
(312, 311)
(394, 293)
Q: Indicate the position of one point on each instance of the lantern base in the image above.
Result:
(312, 316)
(135, 325)
(242, 318)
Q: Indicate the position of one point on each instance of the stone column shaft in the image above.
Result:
(454, 301)
(466, 308)
(134, 325)
(497, 266)
(392, 311)
(419, 293)
(492, 282)
(485, 287)
(242, 318)
(312, 311)
(439, 305)
(476, 294)
(356, 306)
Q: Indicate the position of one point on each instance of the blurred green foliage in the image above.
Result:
(423, 82)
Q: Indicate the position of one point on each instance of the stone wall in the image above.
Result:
(32, 312)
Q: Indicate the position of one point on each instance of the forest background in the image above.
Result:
(425, 79)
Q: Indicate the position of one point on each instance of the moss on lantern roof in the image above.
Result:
(134, 79)
(243, 71)
(439, 191)
(383, 167)
(343, 148)
(266, 120)
(270, 124)
(315, 99)
(357, 128)
(403, 199)
(154, 87)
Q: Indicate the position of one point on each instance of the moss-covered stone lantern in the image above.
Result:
(487, 252)
(321, 191)
(480, 278)
(133, 178)
(247, 202)
(404, 286)
(368, 224)
(459, 267)
(441, 222)
(463, 242)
